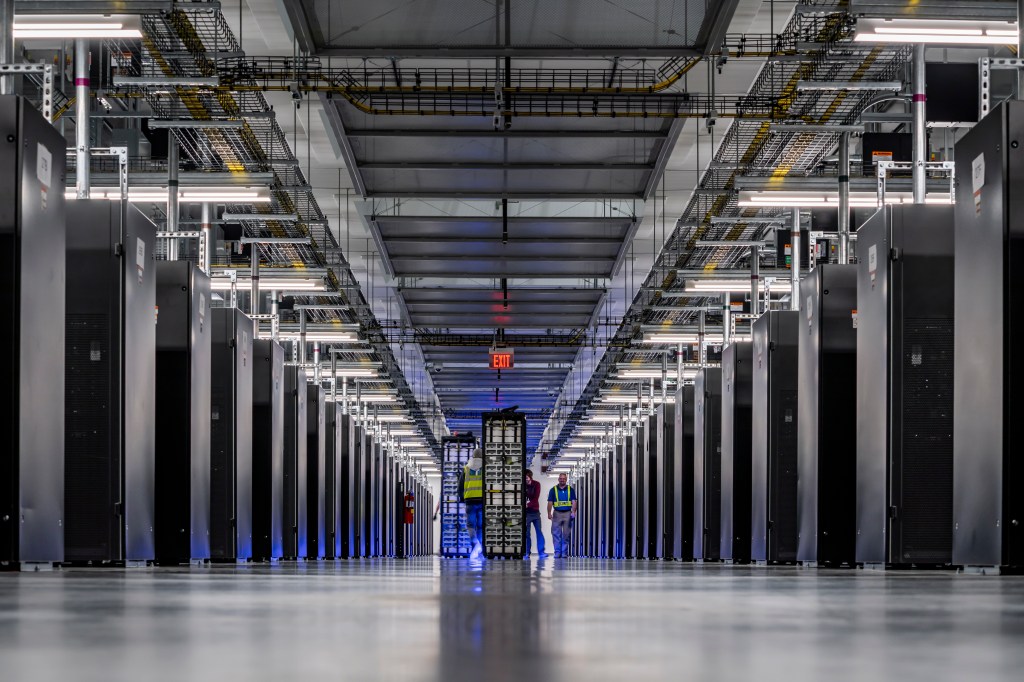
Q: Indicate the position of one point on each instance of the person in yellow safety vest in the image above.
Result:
(562, 514)
(471, 492)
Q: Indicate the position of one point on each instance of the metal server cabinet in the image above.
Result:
(630, 495)
(346, 488)
(183, 351)
(332, 481)
(679, 505)
(366, 492)
(988, 469)
(737, 397)
(295, 481)
(707, 464)
(827, 416)
(110, 399)
(231, 436)
(905, 387)
(268, 519)
(32, 342)
(619, 453)
(774, 437)
(316, 478)
(641, 489)
(663, 423)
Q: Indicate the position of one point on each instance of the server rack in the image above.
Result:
(376, 490)
(660, 454)
(737, 395)
(32, 342)
(905, 387)
(642, 488)
(619, 455)
(774, 437)
(345, 495)
(679, 507)
(295, 476)
(630, 441)
(454, 538)
(110, 408)
(707, 464)
(826, 417)
(988, 475)
(504, 446)
(316, 474)
(332, 480)
(365, 463)
(268, 406)
(183, 353)
(231, 435)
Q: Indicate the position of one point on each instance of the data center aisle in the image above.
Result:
(429, 619)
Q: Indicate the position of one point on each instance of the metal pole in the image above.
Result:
(726, 319)
(316, 363)
(275, 324)
(302, 337)
(359, 396)
(172, 194)
(844, 198)
(664, 378)
(702, 349)
(755, 280)
(206, 225)
(6, 44)
(334, 378)
(794, 268)
(679, 366)
(344, 396)
(920, 125)
(254, 276)
(82, 118)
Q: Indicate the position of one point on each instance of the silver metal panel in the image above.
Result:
(295, 480)
(32, 403)
(268, 450)
(737, 376)
(201, 333)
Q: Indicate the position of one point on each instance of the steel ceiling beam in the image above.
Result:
(513, 133)
(513, 52)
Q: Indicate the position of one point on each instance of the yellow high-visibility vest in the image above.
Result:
(567, 502)
(473, 486)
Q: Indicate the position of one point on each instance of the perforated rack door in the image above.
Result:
(504, 484)
(454, 536)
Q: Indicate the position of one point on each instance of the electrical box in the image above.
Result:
(737, 388)
(295, 477)
(184, 334)
(774, 437)
(988, 385)
(707, 464)
(32, 273)
(110, 399)
(268, 450)
(826, 416)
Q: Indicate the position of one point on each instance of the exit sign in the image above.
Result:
(502, 358)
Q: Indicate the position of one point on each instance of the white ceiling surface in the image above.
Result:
(266, 31)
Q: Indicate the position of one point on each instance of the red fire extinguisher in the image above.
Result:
(410, 508)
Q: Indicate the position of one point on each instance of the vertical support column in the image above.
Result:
(726, 319)
(664, 377)
(702, 347)
(302, 337)
(344, 396)
(316, 362)
(6, 44)
(334, 380)
(794, 268)
(206, 225)
(81, 117)
(254, 276)
(172, 194)
(755, 280)
(844, 198)
(275, 323)
(920, 125)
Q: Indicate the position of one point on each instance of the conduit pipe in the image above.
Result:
(82, 121)
(920, 125)
(794, 267)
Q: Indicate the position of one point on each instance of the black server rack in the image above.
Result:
(619, 454)
(629, 511)
(32, 343)
(184, 332)
(268, 406)
(333, 491)
(826, 417)
(347, 494)
(295, 480)
(679, 504)
(988, 473)
(642, 484)
(373, 480)
(737, 397)
(366, 490)
(231, 435)
(774, 437)
(316, 475)
(905, 387)
(603, 502)
(707, 464)
(110, 399)
(504, 446)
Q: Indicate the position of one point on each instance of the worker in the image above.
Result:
(471, 493)
(561, 513)
(533, 514)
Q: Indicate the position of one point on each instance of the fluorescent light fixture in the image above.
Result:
(321, 336)
(669, 337)
(936, 31)
(354, 373)
(832, 86)
(787, 199)
(388, 417)
(655, 374)
(733, 285)
(404, 432)
(45, 26)
(271, 283)
(262, 217)
(604, 417)
(188, 195)
(627, 399)
(591, 433)
(195, 123)
(173, 81)
(377, 398)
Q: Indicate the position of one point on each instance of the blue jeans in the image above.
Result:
(533, 519)
(475, 522)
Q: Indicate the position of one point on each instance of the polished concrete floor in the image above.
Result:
(574, 619)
